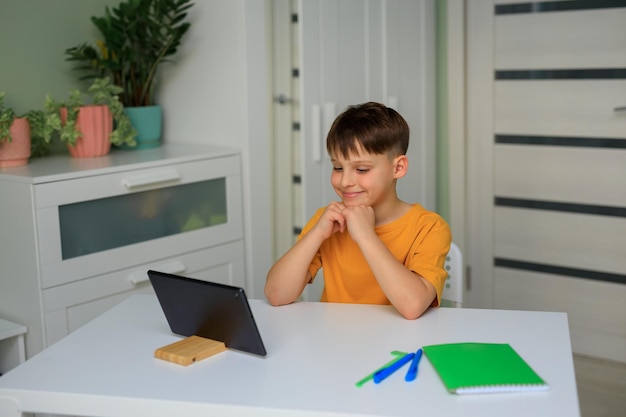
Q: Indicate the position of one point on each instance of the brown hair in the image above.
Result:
(376, 128)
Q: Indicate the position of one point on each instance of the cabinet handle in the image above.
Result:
(175, 267)
(151, 178)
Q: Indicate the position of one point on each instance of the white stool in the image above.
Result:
(12, 350)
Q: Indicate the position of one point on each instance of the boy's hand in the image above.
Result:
(360, 220)
(331, 220)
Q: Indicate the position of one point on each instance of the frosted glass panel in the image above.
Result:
(97, 225)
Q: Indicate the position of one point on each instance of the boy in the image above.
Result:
(374, 248)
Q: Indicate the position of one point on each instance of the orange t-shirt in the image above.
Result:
(420, 240)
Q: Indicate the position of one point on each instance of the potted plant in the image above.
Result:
(137, 37)
(14, 137)
(87, 128)
(42, 127)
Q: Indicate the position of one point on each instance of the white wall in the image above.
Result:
(217, 93)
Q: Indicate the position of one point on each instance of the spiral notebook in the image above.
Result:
(481, 368)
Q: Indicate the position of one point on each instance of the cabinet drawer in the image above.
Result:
(68, 307)
(76, 190)
(85, 225)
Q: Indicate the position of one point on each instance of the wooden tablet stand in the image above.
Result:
(189, 350)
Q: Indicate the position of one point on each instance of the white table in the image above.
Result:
(316, 354)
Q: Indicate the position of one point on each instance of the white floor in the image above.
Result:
(601, 387)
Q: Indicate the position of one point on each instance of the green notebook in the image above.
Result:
(479, 368)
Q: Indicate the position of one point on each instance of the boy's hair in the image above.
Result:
(376, 128)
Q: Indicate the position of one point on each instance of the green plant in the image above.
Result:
(138, 36)
(101, 92)
(6, 120)
(40, 128)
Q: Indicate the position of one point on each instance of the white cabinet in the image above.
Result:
(78, 235)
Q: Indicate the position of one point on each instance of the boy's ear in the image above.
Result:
(401, 166)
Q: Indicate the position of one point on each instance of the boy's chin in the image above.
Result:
(355, 203)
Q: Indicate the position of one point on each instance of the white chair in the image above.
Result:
(453, 288)
(12, 348)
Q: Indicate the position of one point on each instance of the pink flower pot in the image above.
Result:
(16, 152)
(95, 122)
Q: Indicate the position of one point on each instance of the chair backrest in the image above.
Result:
(453, 288)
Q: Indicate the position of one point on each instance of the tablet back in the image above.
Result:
(207, 309)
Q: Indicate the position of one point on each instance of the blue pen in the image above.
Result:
(385, 372)
(412, 372)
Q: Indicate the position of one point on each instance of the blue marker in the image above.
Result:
(385, 372)
(412, 372)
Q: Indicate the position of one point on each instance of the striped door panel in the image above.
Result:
(561, 40)
(585, 242)
(522, 290)
(559, 173)
(580, 107)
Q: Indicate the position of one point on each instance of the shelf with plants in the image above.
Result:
(137, 37)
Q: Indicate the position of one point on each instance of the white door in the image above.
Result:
(329, 54)
(353, 51)
(547, 163)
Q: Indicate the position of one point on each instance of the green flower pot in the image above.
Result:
(148, 121)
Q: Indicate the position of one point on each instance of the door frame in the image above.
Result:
(468, 120)
(454, 89)
(280, 57)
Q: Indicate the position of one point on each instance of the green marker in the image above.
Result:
(399, 355)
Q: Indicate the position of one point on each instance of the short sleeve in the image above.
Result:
(428, 254)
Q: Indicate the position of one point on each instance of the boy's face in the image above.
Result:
(364, 178)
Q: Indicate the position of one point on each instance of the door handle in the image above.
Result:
(619, 109)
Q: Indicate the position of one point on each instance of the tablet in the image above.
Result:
(207, 309)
